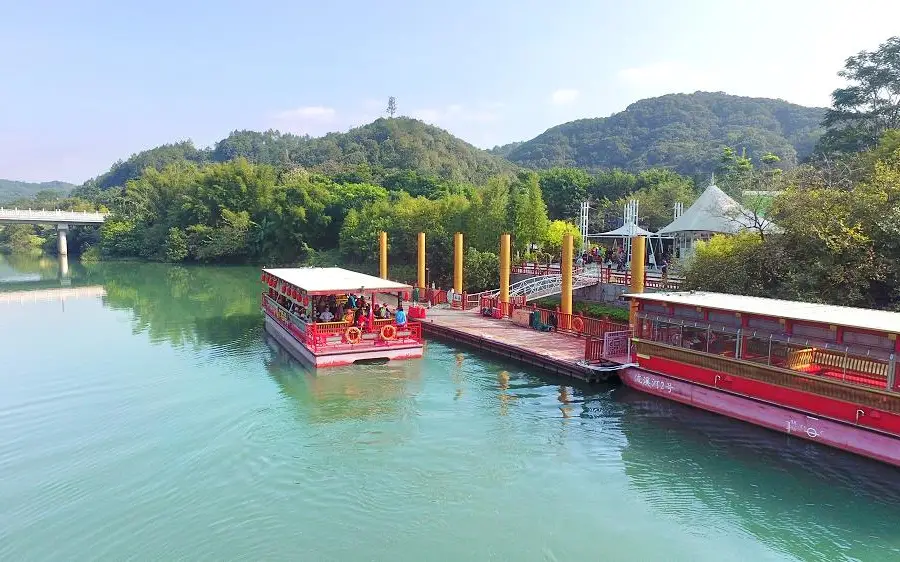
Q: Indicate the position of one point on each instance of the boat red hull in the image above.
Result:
(848, 437)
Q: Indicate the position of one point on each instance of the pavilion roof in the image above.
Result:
(713, 211)
(331, 280)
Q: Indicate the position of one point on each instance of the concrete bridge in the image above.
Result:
(61, 219)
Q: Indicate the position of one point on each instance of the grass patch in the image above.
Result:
(591, 310)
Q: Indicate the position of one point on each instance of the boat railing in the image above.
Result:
(852, 364)
(333, 335)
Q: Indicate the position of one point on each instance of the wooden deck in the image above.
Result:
(554, 352)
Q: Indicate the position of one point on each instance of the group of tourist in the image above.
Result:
(350, 308)
(617, 257)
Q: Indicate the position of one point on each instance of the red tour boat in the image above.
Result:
(824, 373)
(324, 315)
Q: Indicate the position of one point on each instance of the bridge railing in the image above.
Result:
(54, 215)
(603, 274)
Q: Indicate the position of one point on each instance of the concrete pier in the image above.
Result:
(62, 244)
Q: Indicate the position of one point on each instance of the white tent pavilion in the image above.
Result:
(714, 212)
(629, 230)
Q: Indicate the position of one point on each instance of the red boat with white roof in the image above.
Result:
(824, 373)
(331, 316)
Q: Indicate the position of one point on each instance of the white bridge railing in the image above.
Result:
(545, 285)
(38, 215)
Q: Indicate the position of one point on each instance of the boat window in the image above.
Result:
(687, 313)
(868, 340)
(725, 319)
(765, 324)
(823, 333)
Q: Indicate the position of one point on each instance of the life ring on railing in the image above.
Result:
(352, 334)
(388, 332)
(577, 324)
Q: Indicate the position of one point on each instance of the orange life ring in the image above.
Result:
(577, 324)
(352, 334)
(388, 332)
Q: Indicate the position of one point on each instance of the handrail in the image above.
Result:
(57, 214)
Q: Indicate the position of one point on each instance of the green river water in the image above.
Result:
(157, 422)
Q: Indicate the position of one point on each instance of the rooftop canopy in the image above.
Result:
(629, 230)
(863, 318)
(331, 280)
(713, 211)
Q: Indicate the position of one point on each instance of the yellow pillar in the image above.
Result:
(421, 283)
(504, 268)
(382, 254)
(638, 256)
(458, 262)
(565, 304)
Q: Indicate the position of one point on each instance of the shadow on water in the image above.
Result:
(353, 392)
(837, 505)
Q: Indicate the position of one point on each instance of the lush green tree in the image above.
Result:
(528, 217)
(553, 239)
(20, 238)
(176, 245)
(869, 105)
(482, 271)
(740, 264)
(657, 191)
(837, 243)
(488, 215)
(564, 189)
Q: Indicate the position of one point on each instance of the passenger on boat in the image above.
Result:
(351, 301)
(363, 323)
(326, 316)
(303, 317)
(400, 317)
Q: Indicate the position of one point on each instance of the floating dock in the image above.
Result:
(557, 353)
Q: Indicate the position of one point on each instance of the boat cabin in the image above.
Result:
(853, 346)
(331, 316)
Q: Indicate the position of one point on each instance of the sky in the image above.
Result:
(83, 84)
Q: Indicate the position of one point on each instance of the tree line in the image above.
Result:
(838, 214)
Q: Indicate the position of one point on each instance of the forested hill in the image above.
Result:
(12, 190)
(378, 148)
(686, 132)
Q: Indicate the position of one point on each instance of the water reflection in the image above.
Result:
(803, 499)
(64, 278)
(346, 393)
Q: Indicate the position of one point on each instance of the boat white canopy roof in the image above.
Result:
(330, 280)
(863, 318)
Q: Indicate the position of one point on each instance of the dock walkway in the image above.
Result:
(554, 352)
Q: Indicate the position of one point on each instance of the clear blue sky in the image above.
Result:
(86, 83)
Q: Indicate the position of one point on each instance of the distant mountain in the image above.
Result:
(505, 149)
(383, 146)
(686, 132)
(11, 190)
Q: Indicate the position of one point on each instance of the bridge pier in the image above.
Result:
(62, 244)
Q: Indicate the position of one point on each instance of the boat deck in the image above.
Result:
(555, 352)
